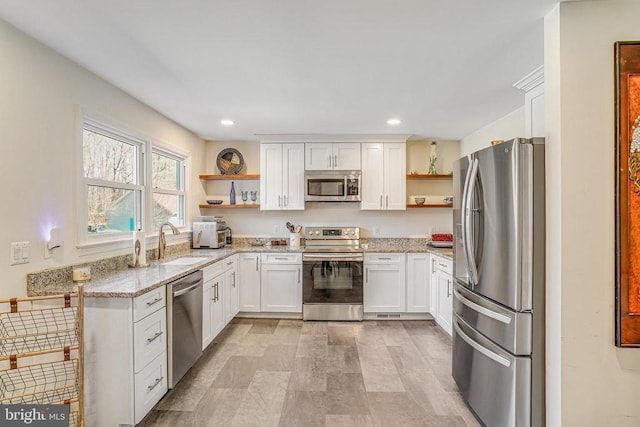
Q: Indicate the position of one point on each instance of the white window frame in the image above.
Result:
(88, 243)
(182, 158)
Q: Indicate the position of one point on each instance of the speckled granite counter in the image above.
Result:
(403, 245)
(112, 277)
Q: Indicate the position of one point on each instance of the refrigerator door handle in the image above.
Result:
(482, 310)
(466, 224)
(480, 348)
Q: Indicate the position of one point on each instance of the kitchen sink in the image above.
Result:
(187, 260)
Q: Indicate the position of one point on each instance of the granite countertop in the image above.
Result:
(132, 282)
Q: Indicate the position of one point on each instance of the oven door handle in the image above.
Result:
(333, 257)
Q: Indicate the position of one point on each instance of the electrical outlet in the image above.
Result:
(276, 229)
(376, 231)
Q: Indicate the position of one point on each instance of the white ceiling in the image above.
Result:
(444, 67)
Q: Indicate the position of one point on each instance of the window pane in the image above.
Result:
(107, 158)
(165, 172)
(168, 207)
(110, 209)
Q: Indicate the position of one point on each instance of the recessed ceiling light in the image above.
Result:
(394, 122)
(226, 122)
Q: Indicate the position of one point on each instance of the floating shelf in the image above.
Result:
(441, 205)
(208, 206)
(425, 176)
(231, 177)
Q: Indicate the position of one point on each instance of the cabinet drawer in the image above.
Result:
(229, 263)
(149, 339)
(281, 258)
(212, 271)
(150, 386)
(148, 303)
(383, 258)
(443, 264)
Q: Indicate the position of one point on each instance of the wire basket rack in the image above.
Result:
(41, 353)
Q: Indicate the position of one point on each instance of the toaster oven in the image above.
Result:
(209, 234)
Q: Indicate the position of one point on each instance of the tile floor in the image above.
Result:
(270, 372)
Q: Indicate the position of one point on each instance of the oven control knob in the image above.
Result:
(310, 232)
(353, 232)
(317, 232)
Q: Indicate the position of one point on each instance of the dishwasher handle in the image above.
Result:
(185, 290)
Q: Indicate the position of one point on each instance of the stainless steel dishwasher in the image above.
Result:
(184, 325)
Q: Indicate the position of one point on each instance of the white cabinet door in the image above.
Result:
(270, 176)
(346, 156)
(395, 176)
(281, 288)
(231, 295)
(249, 275)
(332, 156)
(433, 289)
(384, 176)
(217, 305)
(207, 294)
(293, 176)
(372, 178)
(384, 288)
(318, 156)
(418, 279)
(444, 285)
(281, 176)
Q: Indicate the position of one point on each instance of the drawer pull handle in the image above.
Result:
(281, 258)
(150, 303)
(384, 259)
(153, 338)
(230, 262)
(157, 381)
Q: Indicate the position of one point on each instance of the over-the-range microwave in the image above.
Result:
(332, 186)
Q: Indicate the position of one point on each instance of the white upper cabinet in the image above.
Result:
(384, 176)
(332, 156)
(282, 176)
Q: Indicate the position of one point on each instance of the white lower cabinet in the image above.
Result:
(212, 302)
(220, 300)
(418, 281)
(249, 275)
(384, 283)
(125, 356)
(281, 283)
(231, 295)
(443, 283)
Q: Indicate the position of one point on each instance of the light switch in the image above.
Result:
(19, 253)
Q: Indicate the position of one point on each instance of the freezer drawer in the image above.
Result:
(509, 329)
(495, 384)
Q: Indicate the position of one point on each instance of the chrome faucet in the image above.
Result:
(162, 241)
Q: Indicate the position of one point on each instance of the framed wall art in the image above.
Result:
(627, 94)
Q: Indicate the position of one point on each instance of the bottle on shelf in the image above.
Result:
(232, 195)
(433, 157)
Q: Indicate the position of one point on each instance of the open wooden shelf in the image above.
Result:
(425, 176)
(231, 177)
(208, 206)
(440, 205)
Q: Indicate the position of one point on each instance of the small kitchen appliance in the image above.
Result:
(332, 186)
(209, 234)
(332, 285)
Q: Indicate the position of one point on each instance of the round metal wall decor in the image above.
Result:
(230, 161)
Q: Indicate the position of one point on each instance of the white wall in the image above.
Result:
(409, 223)
(40, 93)
(510, 126)
(599, 382)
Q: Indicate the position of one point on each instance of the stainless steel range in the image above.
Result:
(332, 280)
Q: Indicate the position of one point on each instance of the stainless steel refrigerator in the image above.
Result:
(499, 269)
